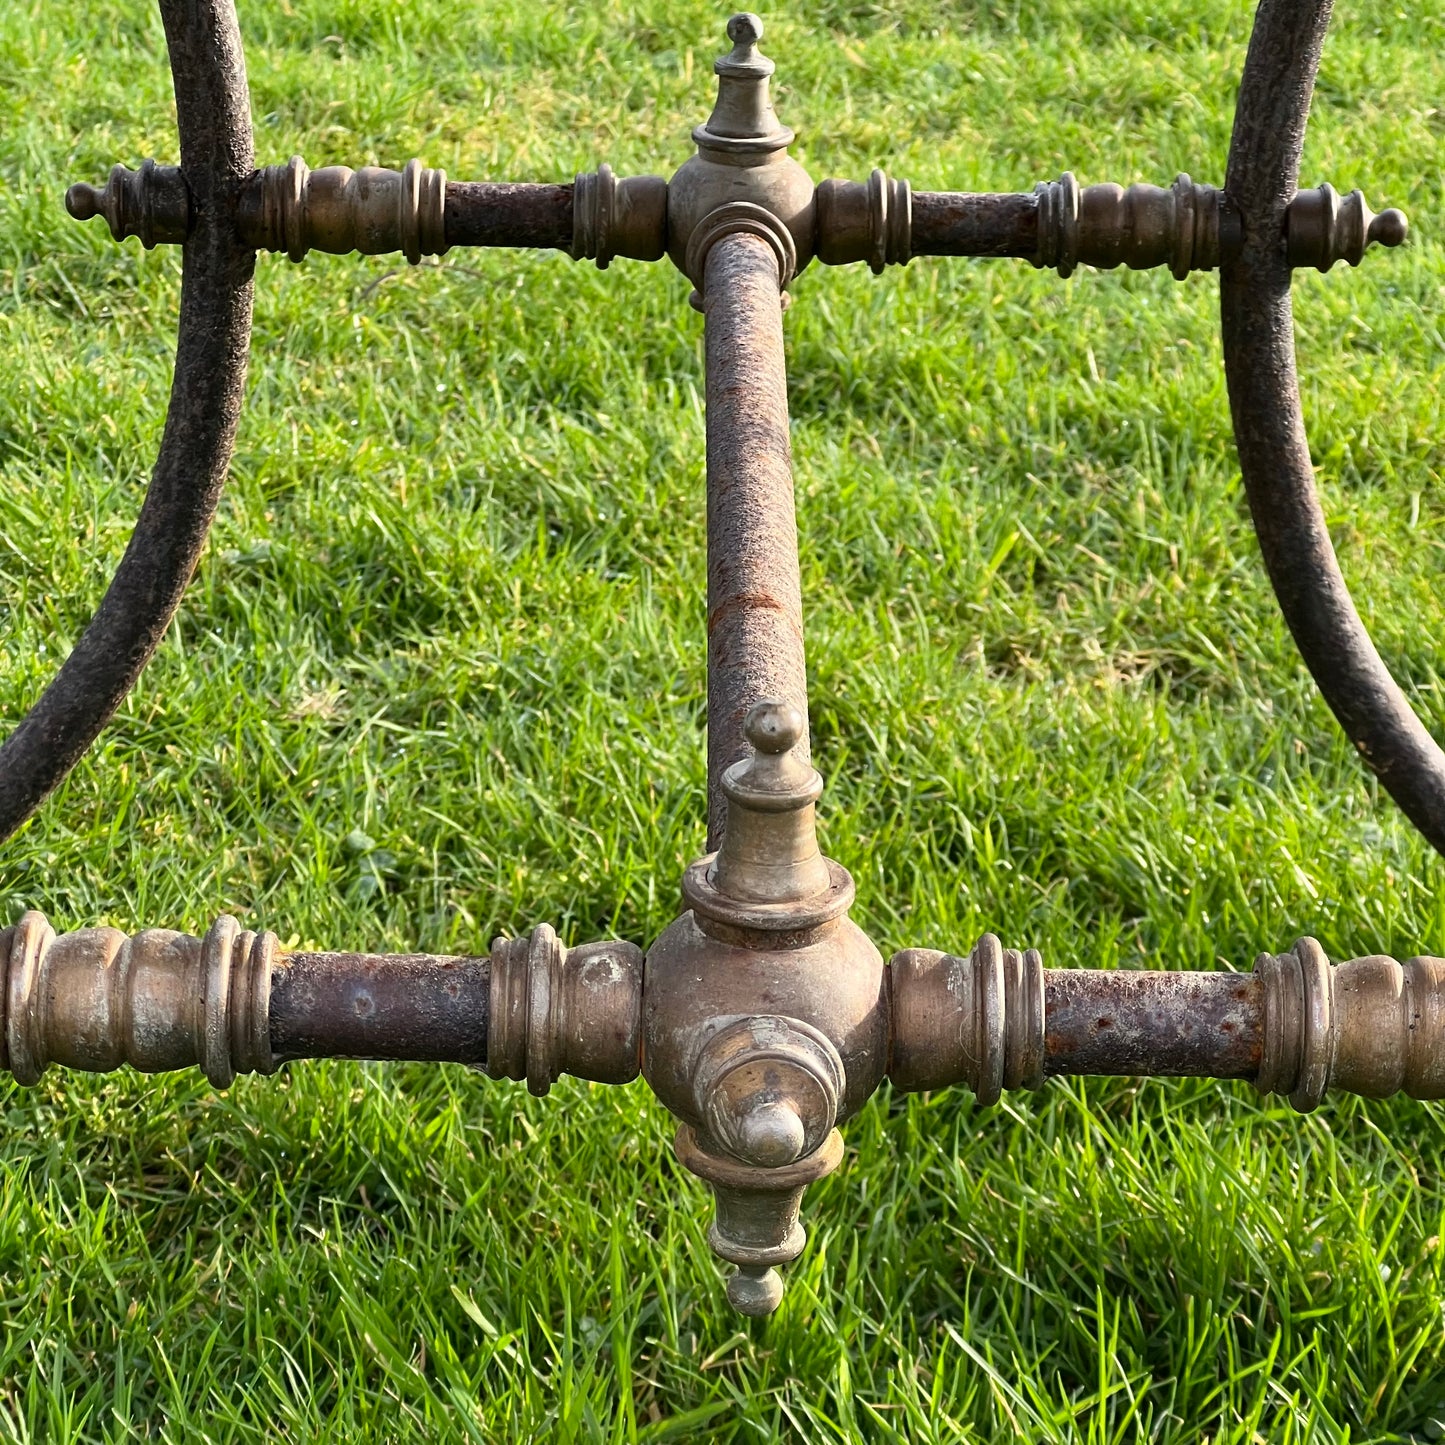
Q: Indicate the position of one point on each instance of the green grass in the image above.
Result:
(441, 676)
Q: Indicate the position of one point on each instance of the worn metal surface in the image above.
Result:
(558, 1010)
(372, 211)
(1187, 227)
(1322, 227)
(380, 1006)
(1370, 1026)
(1127, 1021)
(965, 223)
(505, 213)
(213, 115)
(157, 1001)
(754, 596)
(1274, 455)
(152, 203)
(618, 216)
(765, 1007)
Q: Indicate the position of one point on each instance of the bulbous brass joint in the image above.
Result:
(765, 1010)
(742, 161)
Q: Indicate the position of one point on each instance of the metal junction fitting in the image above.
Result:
(1187, 227)
(612, 217)
(765, 1010)
(742, 177)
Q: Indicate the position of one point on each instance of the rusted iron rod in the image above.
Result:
(962, 223)
(1269, 431)
(754, 597)
(499, 213)
(366, 1006)
(1128, 1021)
(213, 113)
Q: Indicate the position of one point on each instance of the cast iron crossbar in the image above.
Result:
(763, 1017)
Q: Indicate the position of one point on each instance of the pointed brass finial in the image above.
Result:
(743, 121)
(770, 850)
(152, 204)
(1322, 227)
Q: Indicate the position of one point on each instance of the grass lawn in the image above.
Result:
(441, 676)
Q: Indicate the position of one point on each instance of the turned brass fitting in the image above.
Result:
(1370, 1026)
(152, 204)
(157, 1001)
(742, 165)
(372, 211)
(557, 1010)
(1322, 227)
(765, 1010)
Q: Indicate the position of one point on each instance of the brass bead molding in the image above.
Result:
(152, 204)
(868, 221)
(1371, 1026)
(557, 1010)
(157, 1001)
(977, 1020)
(1322, 227)
(612, 217)
(1192, 227)
(337, 210)
(1187, 227)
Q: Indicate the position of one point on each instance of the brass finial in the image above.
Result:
(152, 204)
(770, 850)
(743, 121)
(1322, 227)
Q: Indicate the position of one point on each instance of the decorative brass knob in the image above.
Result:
(152, 204)
(1322, 227)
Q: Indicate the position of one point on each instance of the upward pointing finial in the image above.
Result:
(745, 30)
(743, 121)
(769, 852)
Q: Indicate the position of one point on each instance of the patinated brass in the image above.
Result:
(152, 204)
(978, 1019)
(1322, 227)
(372, 211)
(762, 1017)
(742, 158)
(157, 1001)
(868, 221)
(612, 217)
(766, 1009)
(557, 1010)
(1371, 1026)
